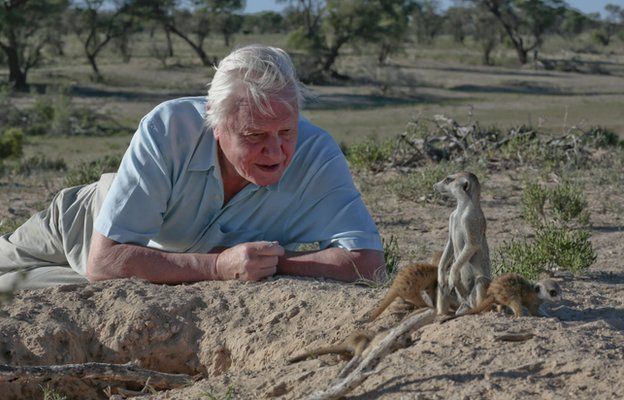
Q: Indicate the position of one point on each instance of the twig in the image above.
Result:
(115, 373)
(368, 364)
(514, 337)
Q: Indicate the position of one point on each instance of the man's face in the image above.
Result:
(258, 148)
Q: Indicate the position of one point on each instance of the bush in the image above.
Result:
(552, 249)
(392, 256)
(563, 205)
(561, 240)
(369, 155)
(11, 142)
(40, 163)
(90, 172)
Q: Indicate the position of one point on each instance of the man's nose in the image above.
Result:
(273, 145)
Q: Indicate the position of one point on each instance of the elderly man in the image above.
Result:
(209, 189)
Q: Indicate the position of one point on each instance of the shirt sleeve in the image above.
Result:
(134, 207)
(332, 212)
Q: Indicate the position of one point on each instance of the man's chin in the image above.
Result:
(266, 180)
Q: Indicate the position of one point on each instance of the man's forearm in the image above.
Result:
(127, 260)
(335, 263)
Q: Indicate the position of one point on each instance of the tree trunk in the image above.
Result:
(96, 71)
(169, 44)
(17, 77)
(522, 55)
(198, 48)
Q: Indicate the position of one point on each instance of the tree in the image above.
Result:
(487, 33)
(26, 27)
(392, 27)
(97, 27)
(224, 19)
(524, 21)
(611, 25)
(457, 21)
(428, 21)
(263, 22)
(192, 23)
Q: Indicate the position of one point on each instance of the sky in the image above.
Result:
(586, 6)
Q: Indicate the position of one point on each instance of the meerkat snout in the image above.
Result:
(548, 290)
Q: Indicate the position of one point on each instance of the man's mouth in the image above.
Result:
(269, 167)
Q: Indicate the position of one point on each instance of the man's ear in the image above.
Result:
(217, 132)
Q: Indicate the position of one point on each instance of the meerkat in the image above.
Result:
(467, 248)
(517, 293)
(353, 346)
(409, 284)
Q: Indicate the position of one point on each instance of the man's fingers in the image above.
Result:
(268, 248)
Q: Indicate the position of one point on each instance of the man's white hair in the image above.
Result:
(255, 75)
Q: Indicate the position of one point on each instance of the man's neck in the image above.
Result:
(232, 181)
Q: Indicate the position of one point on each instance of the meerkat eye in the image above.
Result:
(448, 179)
(553, 293)
(537, 288)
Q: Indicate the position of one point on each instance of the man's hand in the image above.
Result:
(250, 261)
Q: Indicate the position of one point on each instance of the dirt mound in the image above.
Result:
(238, 336)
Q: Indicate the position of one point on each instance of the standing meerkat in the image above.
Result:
(469, 273)
(409, 284)
(353, 346)
(517, 293)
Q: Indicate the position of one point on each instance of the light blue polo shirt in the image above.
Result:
(168, 192)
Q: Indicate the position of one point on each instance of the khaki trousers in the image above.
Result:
(52, 247)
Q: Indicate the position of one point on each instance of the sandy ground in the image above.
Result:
(239, 335)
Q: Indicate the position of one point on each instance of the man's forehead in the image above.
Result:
(279, 112)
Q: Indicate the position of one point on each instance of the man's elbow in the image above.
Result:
(371, 265)
(95, 272)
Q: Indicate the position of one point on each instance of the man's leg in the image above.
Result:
(56, 240)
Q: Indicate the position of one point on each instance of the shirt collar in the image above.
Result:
(205, 158)
(205, 154)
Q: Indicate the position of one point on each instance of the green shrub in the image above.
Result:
(90, 172)
(40, 163)
(553, 248)
(563, 205)
(560, 218)
(392, 256)
(11, 142)
(369, 155)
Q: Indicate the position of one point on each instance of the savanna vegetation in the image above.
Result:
(525, 93)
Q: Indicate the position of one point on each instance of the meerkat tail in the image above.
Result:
(338, 349)
(384, 304)
(487, 302)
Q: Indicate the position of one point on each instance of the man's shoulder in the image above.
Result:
(180, 110)
(315, 139)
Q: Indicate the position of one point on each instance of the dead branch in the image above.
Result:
(368, 364)
(118, 374)
(514, 337)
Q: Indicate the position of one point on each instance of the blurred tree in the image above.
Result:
(26, 27)
(611, 25)
(263, 22)
(573, 23)
(225, 19)
(458, 21)
(487, 32)
(304, 19)
(96, 23)
(525, 21)
(428, 20)
(191, 20)
(392, 27)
